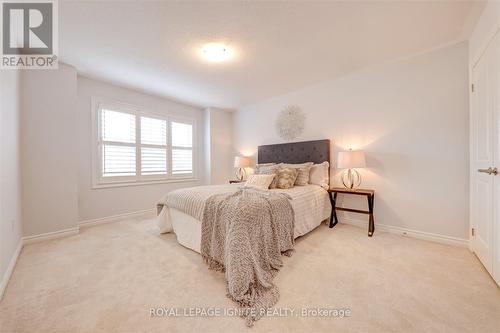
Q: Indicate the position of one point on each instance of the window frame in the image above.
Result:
(99, 181)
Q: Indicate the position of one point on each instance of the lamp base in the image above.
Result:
(240, 173)
(351, 179)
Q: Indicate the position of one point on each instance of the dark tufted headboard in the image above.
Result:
(295, 152)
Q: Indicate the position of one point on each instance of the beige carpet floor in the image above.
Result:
(108, 277)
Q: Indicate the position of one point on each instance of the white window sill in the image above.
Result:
(143, 182)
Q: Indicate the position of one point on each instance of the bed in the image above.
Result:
(310, 203)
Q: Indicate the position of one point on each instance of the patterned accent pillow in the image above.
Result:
(286, 177)
(271, 169)
(304, 170)
(260, 181)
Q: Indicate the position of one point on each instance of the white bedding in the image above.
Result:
(311, 206)
(310, 203)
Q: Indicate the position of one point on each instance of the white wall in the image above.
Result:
(219, 152)
(486, 27)
(410, 117)
(48, 155)
(10, 175)
(102, 202)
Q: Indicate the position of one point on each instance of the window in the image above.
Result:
(136, 147)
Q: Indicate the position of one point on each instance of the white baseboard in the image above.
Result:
(51, 235)
(139, 215)
(10, 268)
(408, 232)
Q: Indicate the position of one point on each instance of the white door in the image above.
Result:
(485, 155)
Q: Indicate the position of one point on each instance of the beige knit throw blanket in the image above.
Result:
(244, 235)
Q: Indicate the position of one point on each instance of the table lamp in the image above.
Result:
(350, 160)
(241, 162)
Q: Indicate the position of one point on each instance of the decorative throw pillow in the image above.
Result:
(304, 169)
(286, 177)
(260, 181)
(271, 169)
(320, 175)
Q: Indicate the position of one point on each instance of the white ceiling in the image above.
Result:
(281, 46)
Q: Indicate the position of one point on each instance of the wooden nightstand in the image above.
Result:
(235, 181)
(369, 194)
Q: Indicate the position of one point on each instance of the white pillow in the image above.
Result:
(260, 181)
(320, 175)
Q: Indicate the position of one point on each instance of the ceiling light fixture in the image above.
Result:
(215, 52)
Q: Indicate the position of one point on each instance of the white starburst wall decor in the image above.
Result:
(290, 122)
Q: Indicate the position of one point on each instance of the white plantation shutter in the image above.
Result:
(118, 161)
(153, 146)
(117, 143)
(117, 126)
(182, 148)
(153, 161)
(182, 161)
(182, 135)
(153, 131)
(132, 146)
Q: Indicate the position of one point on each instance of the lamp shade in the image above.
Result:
(351, 159)
(242, 162)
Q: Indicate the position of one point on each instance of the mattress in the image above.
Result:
(310, 203)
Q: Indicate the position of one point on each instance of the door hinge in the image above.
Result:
(473, 231)
(472, 87)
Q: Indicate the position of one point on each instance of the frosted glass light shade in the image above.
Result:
(242, 162)
(351, 159)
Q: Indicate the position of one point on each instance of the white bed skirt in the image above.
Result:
(187, 229)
